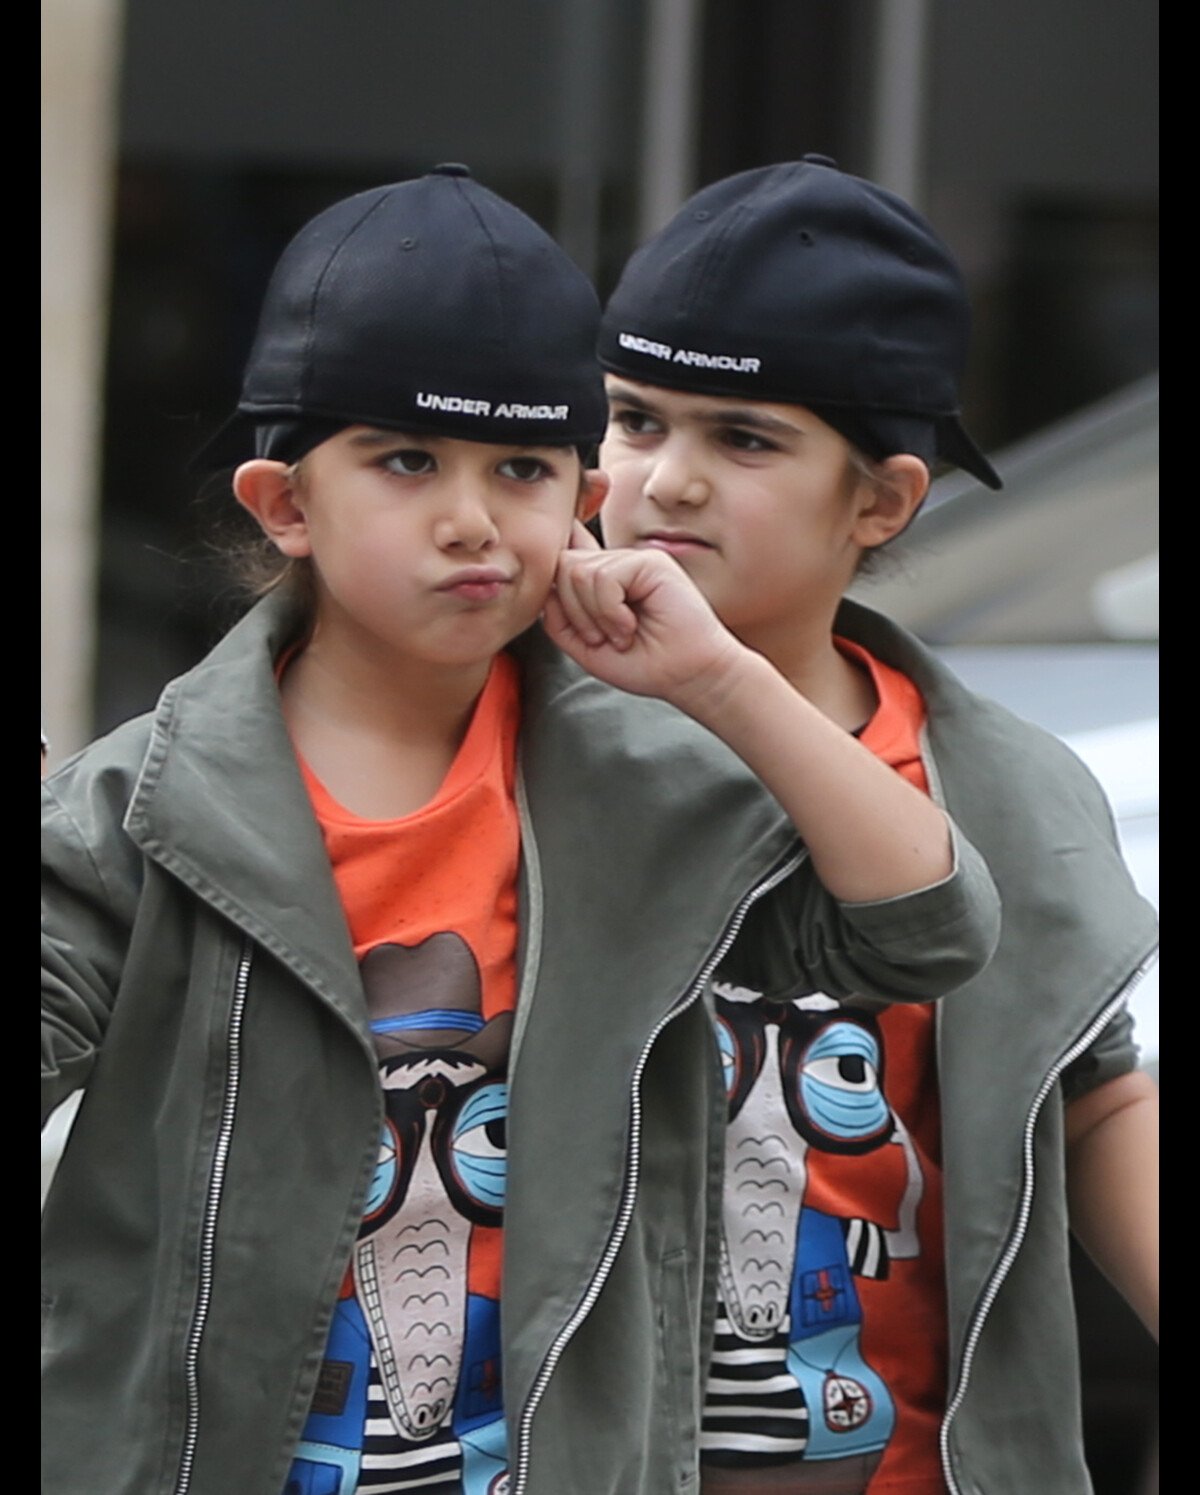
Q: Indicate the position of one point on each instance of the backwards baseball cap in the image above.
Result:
(431, 305)
(801, 284)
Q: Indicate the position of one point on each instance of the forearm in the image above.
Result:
(1112, 1186)
(871, 834)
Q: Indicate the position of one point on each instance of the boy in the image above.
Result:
(783, 360)
(349, 941)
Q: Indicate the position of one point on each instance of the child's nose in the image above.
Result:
(675, 478)
(466, 521)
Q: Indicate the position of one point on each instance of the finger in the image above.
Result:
(554, 621)
(598, 587)
(570, 625)
(574, 598)
(594, 595)
(610, 606)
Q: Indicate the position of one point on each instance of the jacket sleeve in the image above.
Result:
(1113, 1053)
(911, 948)
(87, 910)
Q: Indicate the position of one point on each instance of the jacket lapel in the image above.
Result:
(220, 803)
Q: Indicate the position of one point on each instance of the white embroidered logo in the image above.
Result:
(692, 356)
(511, 410)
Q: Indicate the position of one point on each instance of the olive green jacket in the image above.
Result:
(1046, 1020)
(199, 983)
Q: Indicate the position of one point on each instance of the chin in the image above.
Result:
(464, 653)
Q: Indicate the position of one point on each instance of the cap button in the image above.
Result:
(451, 168)
(815, 160)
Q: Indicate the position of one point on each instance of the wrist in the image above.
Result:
(720, 695)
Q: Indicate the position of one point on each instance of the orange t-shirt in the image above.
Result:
(831, 1330)
(410, 1388)
(904, 1318)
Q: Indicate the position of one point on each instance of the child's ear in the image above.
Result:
(891, 499)
(267, 490)
(593, 490)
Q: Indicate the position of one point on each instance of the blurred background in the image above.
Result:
(184, 142)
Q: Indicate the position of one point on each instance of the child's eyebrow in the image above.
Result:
(725, 415)
(383, 436)
(627, 397)
(379, 436)
(754, 419)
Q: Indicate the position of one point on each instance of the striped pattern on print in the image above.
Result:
(392, 1463)
(754, 1411)
(867, 1249)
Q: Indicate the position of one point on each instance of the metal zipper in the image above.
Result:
(996, 1281)
(629, 1197)
(209, 1230)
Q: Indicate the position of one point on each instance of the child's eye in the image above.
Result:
(747, 441)
(525, 469)
(412, 461)
(636, 422)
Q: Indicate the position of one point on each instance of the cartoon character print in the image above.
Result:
(789, 1386)
(431, 1398)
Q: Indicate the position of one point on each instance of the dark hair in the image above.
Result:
(248, 564)
(877, 560)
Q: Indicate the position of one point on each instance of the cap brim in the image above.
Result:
(956, 446)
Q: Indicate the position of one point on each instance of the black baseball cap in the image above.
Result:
(430, 304)
(800, 284)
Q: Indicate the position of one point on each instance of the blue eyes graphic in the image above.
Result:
(727, 1045)
(478, 1146)
(386, 1168)
(839, 1083)
(465, 1134)
(830, 1065)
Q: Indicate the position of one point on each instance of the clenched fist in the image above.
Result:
(635, 619)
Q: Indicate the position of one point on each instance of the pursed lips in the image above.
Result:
(476, 583)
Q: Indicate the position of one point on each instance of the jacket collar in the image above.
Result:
(221, 804)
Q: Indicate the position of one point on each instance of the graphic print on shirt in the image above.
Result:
(411, 1376)
(789, 1384)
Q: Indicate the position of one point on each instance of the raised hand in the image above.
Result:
(635, 619)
